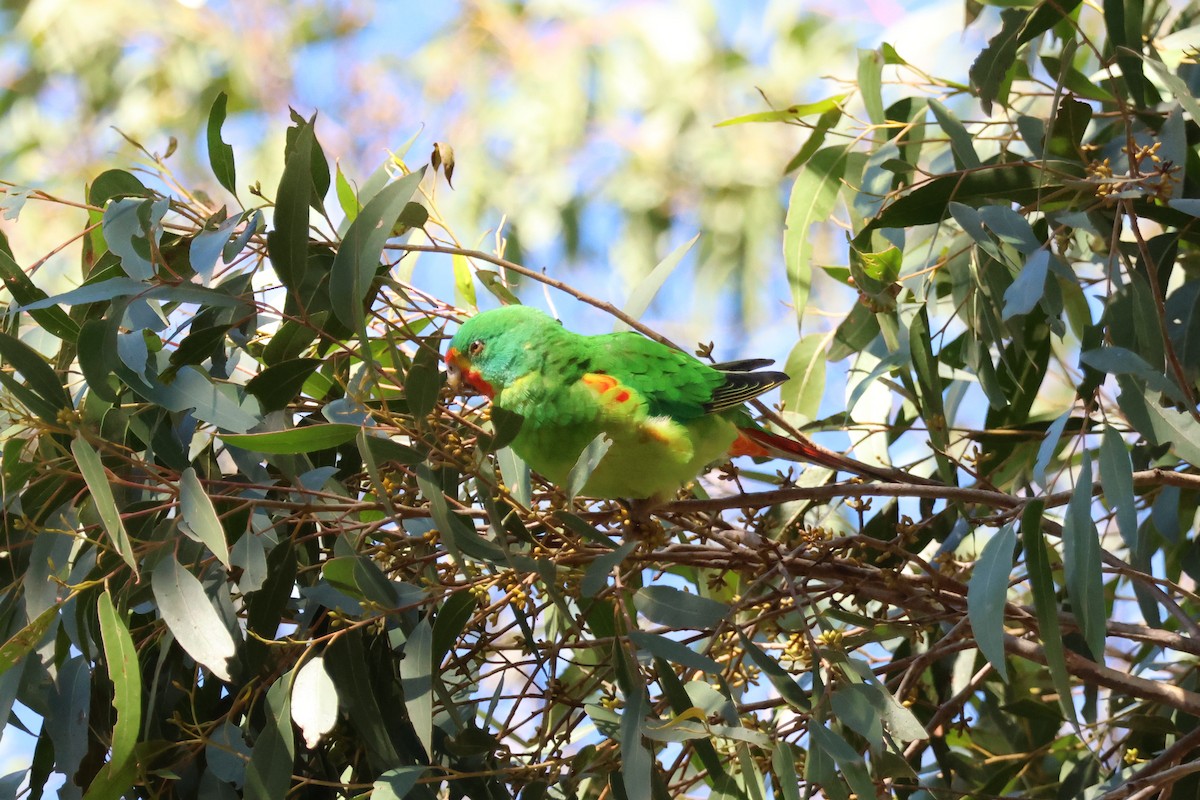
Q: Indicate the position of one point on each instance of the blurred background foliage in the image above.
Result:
(586, 130)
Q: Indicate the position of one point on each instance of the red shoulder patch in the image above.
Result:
(609, 389)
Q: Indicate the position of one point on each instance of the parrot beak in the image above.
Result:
(454, 368)
(460, 372)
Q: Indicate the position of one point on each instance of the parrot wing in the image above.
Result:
(673, 383)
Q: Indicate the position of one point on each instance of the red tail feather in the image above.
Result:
(764, 444)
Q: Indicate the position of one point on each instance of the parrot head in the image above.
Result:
(495, 348)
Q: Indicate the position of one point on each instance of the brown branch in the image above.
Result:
(1086, 669)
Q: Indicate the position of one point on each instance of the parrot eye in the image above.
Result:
(476, 347)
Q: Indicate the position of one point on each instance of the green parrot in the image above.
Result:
(667, 414)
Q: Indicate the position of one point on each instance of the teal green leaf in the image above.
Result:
(853, 707)
(38, 375)
(100, 488)
(198, 518)
(673, 652)
(669, 606)
(451, 621)
(416, 680)
(287, 244)
(643, 294)
(395, 784)
(358, 257)
(806, 367)
(790, 113)
(1049, 446)
(849, 761)
(987, 594)
(1024, 293)
(1121, 361)
(962, 144)
(784, 762)
(596, 576)
(814, 194)
(1037, 564)
(295, 440)
(278, 384)
(1176, 427)
(780, 678)
(1081, 563)
(126, 676)
(191, 616)
(1116, 476)
(115, 183)
(220, 154)
(586, 464)
(269, 773)
(51, 318)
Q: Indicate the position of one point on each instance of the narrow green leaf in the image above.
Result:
(191, 617)
(1049, 446)
(308, 439)
(451, 621)
(643, 294)
(991, 73)
(1014, 182)
(464, 283)
(870, 84)
(98, 485)
(637, 763)
(220, 154)
(126, 676)
(1081, 563)
(853, 707)
(814, 194)
(1116, 476)
(790, 113)
(278, 384)
(287, 243)
(962, 144)
(806, 366)
(416, 680)
(1176, 427)
(849, 761)
(346, 660)
(669, 606)
(395, 784)
(52, 318)
(198, 518)
(1024, 293)
(347, 197)
(1123, 23)
(784, 762)
(269, 773)
(596, 576)
(987, 593)
(38, 375)
(674, 652)
(23, 641)
(586, 464)
(358, 257)
(1121, 361)
(1037, 564)
(423, 383)
(781, 679)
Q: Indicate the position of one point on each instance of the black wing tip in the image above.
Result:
(744, 364)
(740, 387)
